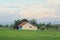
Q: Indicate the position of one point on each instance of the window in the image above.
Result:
(30, 26)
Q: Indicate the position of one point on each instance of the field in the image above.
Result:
(6, 34)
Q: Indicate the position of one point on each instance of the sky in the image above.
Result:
(42, 10)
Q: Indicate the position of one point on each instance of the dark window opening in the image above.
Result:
(30, 26)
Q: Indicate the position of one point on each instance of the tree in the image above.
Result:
(56, 27)
(33, 22)
(24, 20)
(42, 28)
(48, 25)
(17, 22)
(1, 25)
(39, 25)
(6, 25)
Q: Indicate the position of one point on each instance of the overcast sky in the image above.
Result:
(42, 10)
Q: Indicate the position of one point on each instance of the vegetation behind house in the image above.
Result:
(40, 26)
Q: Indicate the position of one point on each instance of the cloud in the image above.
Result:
(54, 1)
(7, 10)
(39, 11)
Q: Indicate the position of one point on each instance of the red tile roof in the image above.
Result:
(22, 24)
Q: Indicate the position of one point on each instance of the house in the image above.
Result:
(26, 26)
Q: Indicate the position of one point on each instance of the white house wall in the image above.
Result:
(27, 27)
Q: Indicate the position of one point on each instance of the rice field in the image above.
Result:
(7, 34)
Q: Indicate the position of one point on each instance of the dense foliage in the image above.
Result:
(40, 26)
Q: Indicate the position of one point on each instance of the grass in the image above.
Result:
(6, 34)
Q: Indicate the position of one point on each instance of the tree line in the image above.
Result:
(40, 26)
